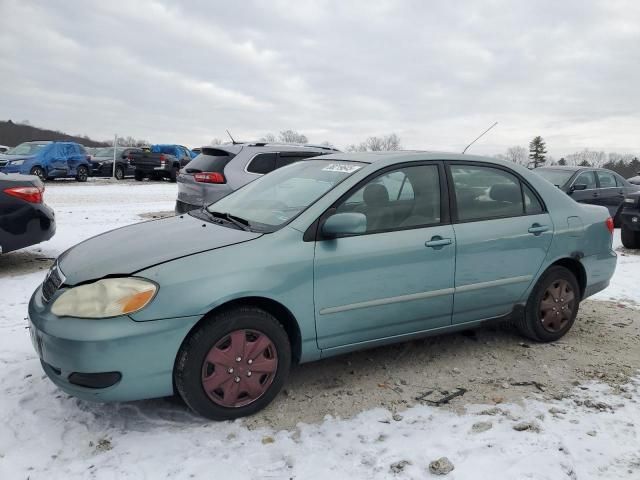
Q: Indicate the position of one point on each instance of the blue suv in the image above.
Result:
(47, 160)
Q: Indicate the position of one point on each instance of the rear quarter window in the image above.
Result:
(210, 160)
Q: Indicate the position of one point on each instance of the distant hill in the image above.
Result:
(12, 134)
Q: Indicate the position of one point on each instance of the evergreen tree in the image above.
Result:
(562, 161)
(584, 163)
(537, 151)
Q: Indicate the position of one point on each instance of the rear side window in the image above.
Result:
(262, 163)
(210, 160)
(486, 192)
(607, 180)
(287, 158)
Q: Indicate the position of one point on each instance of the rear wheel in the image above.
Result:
(552, 306)
(234, 364)
(119, 173)
(38, 172)
(630, 238)
(173, 176)
(138, 175)
(82, 174)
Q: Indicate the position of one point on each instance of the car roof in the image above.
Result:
(408, 156)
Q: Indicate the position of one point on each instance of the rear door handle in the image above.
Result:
(537, 229)
(437, 241)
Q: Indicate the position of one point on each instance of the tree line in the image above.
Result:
(627, 165)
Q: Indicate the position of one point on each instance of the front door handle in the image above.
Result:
(437, 242)
(537, 229)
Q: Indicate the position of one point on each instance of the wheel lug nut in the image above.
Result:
(237, 379)
(249, 361)
(249, 373)
(238, 359)
(230, 370)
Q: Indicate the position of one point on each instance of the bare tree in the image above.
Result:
(517, 154)
(377, 144)
(292, 136)
(216, 141)
(269, 138)
(586, 156)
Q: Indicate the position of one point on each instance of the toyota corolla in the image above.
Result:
(318, 258)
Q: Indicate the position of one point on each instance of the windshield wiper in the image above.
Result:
(239, 222)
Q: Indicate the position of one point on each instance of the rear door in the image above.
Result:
(56, 160)
(502, 232)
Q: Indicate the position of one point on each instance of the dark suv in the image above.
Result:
(221, 169)
(630, 217)
(597, 186)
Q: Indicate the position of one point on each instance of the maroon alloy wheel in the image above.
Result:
(557, 305)
(239, 368)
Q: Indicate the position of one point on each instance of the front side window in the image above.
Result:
(404, 198)
(586, 178)
(27, 148)
(271, 201)
(262, 163)
(607, 180)
(486, 192)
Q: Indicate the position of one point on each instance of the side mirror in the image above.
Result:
(577, 186)
(344, 224)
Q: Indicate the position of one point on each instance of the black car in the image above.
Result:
(102, 162)
(597, 186)
(24, 218)
(630, 217)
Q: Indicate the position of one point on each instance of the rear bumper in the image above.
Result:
(26, 226)
(599, 269)
(631, 219)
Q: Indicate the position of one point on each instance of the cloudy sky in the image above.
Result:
(435, 73)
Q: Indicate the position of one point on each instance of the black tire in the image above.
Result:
(82, 174)
(173, 176)
(138, 175)
(38, 172)
(191, 360)
(630, 238)
(119, 173)
(531, 323)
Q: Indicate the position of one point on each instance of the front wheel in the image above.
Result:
(82, 174)
(234, 364)
(119, 173)
(630, 238)
(552, 306)
(138, 175)
(38, 172)
(173, 176)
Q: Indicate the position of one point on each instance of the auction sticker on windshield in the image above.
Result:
(342, 167)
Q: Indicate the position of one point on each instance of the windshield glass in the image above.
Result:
(271, 201)
(557, 177)
(104, 152)
(27, 148)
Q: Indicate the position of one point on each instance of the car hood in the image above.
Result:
(127, 250)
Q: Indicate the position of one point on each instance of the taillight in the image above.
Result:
(610, 225)
(28, 194)
(210, 177)
(162, 157)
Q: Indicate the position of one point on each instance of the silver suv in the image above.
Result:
(222, 169)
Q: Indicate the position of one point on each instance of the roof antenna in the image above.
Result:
(232, 140)
(479, 137)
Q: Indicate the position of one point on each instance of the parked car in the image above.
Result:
(630, 216)
(318, 258)
(159, 161)
(595, 186)
(220, 170)
(47, 160)
(634, 180)
(102, 162)
(24, 219)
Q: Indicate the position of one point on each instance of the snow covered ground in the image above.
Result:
(593, 433)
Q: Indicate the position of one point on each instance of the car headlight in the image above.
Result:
(110, 297)
(16, 162)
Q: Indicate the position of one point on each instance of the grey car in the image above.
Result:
(219, 170)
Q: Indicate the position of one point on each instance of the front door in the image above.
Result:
(610, 194)
(397, 277)
(590, 194)
(502, 236)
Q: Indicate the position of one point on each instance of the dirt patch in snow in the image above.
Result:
(491, 365)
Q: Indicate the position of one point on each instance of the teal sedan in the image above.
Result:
(319, 258)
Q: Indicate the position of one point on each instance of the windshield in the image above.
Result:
(27, 148)
(104, 152)
(557, 177)
(271, 201)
